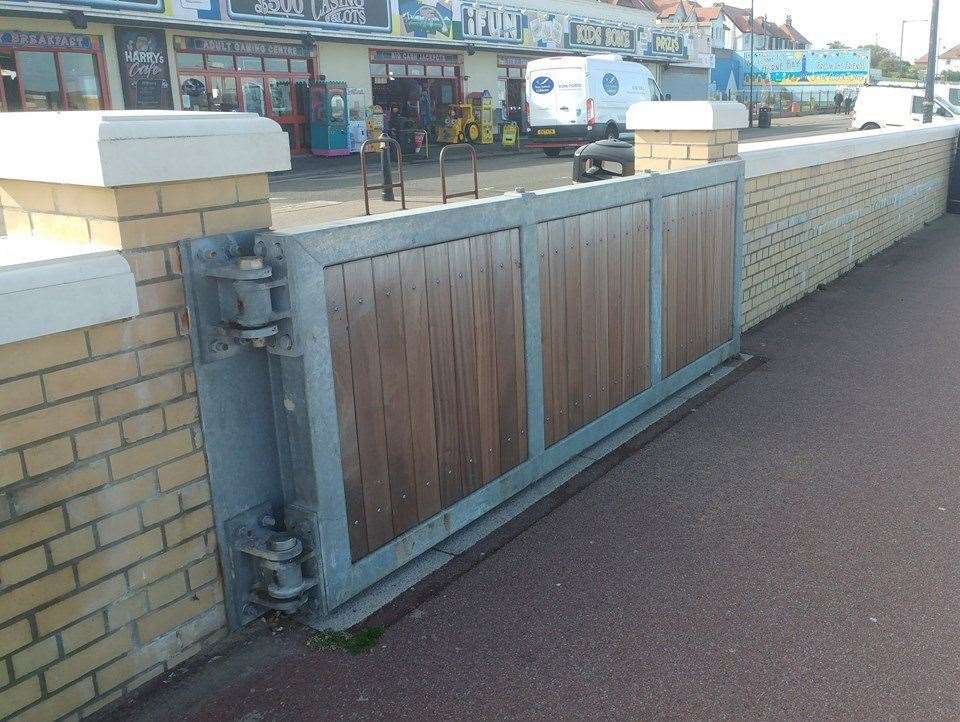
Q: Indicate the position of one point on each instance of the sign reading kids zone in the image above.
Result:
(595, 36)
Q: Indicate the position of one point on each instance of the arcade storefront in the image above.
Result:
(52, 71)
(252, 76)
(417, 85)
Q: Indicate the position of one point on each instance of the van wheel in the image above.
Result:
(613, 132)
(870, 126)
(551, 152)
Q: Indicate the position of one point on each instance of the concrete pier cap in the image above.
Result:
(684, 134)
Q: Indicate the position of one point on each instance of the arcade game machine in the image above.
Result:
(328, 118)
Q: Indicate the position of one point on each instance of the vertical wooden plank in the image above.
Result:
(558, 318)
(465, 352)
(505, 339)
(683, 278)
(641, 262)
(615, 307)
(519, 344)
(447, 411)
(712, 267)
(396, 398)
(546, 330)
(603, 314)
(588, 309)
(574, 329)
(486, 357)
(416, 333)
(628, 247)
(670, 295)
(346, 414)
(728, 219)
(368, 400)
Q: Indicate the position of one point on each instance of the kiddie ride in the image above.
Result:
(470, 122)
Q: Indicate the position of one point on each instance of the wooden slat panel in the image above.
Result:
(416, 326)
(728, 210)
(602, 318)
(588, 316)
(641, 259)
(614, 304)
(483, 311)
(368, 400)
(558, 318)
(503, 297)
(546, 333)
(465, 351)
(444, 373)
(519, 346)
(573, 316)
(628, 246)
(396, 396)
(346, 418)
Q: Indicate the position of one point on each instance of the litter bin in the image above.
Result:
(764, 116)
(603, 160)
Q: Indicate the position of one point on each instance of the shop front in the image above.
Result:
(252, 76)
(511, 87)
(52, 71)
(416, 90)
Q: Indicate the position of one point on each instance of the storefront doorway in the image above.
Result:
(415, 89)
(270, 79)
(511, 87)
(51, 71)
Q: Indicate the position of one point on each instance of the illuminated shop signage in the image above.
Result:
(480, 22)
(341, 14)
(596, 36)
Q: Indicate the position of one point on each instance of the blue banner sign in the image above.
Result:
(812, 67)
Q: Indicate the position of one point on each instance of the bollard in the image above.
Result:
(385, 163)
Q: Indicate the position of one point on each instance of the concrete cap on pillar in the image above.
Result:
(122, 148)
(686, 115)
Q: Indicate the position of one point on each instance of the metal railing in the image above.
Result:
(471, 151)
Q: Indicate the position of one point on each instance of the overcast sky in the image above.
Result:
(859, 22)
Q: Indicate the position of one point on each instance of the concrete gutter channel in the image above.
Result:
(790, 551)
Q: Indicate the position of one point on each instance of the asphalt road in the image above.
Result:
(317, 188)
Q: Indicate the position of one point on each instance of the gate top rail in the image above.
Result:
(472, 152)
(363, 170)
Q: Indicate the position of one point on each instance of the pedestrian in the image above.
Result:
(838, 101)
(848, 104)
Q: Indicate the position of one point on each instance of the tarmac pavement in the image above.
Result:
(789, 550)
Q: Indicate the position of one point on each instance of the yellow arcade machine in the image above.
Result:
(483, 116)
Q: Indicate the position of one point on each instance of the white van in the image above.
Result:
(886, 106)
(573, 100)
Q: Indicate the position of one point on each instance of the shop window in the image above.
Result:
(38, 81)
(80, 82)
(397, 71)
(449, 71)
(298, 66)
(280, 96)
(8, 73)
(253, 97)
(516, 72)
(248, 63)
(275, 65)
(189, 60)
(378, 69)
(415, 71)
(220, 62)
(434, 71)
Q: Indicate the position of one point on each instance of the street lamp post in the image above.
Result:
(931, 62)
(752, 29)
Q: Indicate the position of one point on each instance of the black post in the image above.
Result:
(931, 62)
(751, 62)
(386, 164)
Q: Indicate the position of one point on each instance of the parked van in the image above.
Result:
(886, 106)
(571, 101)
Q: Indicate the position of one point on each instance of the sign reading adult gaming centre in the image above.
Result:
(361, 15)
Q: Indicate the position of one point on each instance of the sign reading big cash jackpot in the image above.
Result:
(361, 15)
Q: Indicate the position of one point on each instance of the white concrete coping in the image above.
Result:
(777, 156)
(43, 292)
(128, 147)
(686, 115)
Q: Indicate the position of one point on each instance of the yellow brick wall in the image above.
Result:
(108, 568)
(807, 227)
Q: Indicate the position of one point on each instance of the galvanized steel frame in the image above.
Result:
(307, 252)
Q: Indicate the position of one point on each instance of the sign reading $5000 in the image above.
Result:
(364, 15)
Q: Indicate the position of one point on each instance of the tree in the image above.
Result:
(837, 45)
(878, 54)
(950, 76)
(897, 68)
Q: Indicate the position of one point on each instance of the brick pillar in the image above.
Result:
(678, 135)
(108, 572)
